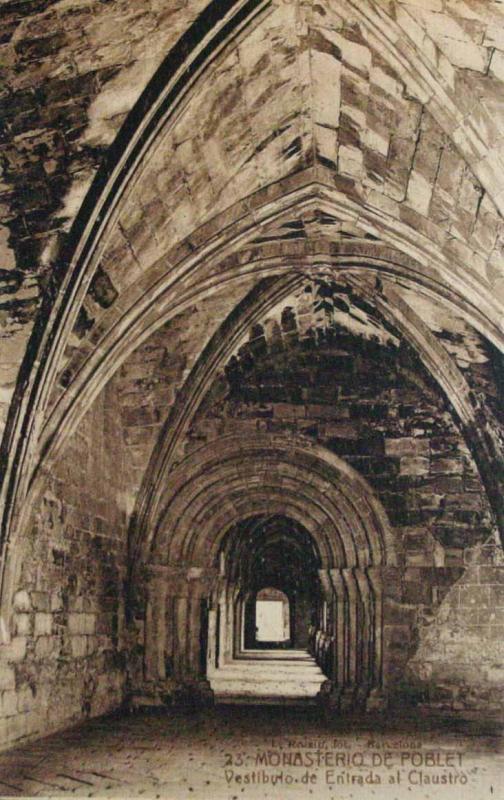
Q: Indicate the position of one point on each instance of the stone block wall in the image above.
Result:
(307, 84)
(459, 663)
(65, 659)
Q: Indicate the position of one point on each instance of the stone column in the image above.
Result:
(181, 608)
(212, 639)
(155, 628)
(150, 639)
(325, 659)
(352, 638)
(194, 631)
(199, 585)
(222, 631)
(195, 591)
(238, 626)
(231, 595)
(170, 628)
(365, 672)
(340, 598)
(351, 587)
(179, 589)
(220, 594)
(376, 582)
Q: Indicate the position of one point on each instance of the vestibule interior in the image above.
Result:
(265, 367)
(318, 460)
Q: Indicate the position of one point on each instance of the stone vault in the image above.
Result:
(251, 256)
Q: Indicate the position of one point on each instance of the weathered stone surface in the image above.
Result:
(309, 134)
(393, 432)
(408, 446)
(72, 74)
(43, 624)
(79, 537)
(22, 601)
(7, 677)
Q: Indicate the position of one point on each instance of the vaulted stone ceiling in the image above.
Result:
(205, 207)
(72, 72)
(366, 133)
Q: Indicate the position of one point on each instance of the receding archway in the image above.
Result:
(265, 612)
(169, 259)
(289, 492)
(275, 564)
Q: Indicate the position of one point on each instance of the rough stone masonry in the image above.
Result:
(251, 263)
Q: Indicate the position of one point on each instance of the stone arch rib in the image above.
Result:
(472, 418)
(219, 21)
(335, 503)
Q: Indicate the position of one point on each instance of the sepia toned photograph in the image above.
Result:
(252, 399)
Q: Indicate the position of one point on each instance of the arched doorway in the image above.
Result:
(270, 512)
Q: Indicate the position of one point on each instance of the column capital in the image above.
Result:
(337, 582)
(325, 580)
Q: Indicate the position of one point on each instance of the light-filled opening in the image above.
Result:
(272, 617)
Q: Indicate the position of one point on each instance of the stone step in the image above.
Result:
(264, 688)
(258, 678)
(260, 670)
(265, 700)
(263, 676)
(294, 663)
(290, 655)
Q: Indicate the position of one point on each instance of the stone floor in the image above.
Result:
(275, 676)
(256, 752)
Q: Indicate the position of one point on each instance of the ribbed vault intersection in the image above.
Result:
(253, 344)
